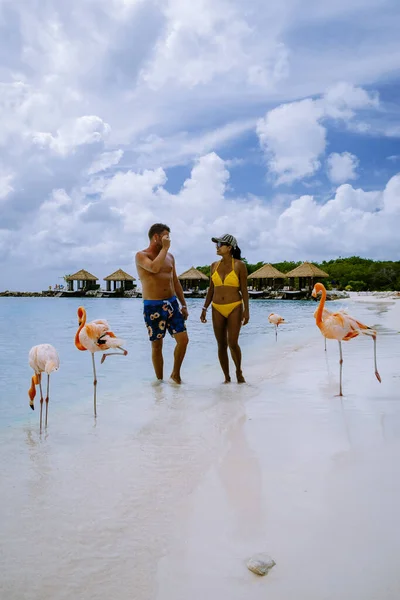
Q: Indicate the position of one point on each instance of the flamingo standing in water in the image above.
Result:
(341, 327)
(43, 359)
(276, 320)
(96, 337)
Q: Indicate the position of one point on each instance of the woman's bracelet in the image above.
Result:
(205, 308)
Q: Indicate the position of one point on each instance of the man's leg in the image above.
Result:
(157, 358)
(182, 341)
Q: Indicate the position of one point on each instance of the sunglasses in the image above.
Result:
(219, 244)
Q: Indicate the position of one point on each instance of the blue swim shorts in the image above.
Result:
(163, 315)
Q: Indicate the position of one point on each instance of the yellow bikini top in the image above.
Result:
(231, 280)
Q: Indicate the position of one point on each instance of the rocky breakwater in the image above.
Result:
(21, 294)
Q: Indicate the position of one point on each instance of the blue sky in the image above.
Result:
(279, 124)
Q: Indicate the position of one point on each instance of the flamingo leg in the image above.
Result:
(325, 343)
(41, 400)
(276, 333)
(94, 384)
(341, 367)
(123, 353)
(47, 399)
(376, 366)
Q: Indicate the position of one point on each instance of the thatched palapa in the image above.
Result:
(307, 274)
(86, 281)
(265, 276)
(307, 269)
(267, 272)
(192, 277)
(119, 275)
(120, 280)
(82, 275)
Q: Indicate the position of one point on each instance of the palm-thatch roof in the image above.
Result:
(267, 272)
(119, 275)
(193, 274)
(307, 269)
(82, 275)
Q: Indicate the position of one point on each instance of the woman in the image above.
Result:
(230, 303)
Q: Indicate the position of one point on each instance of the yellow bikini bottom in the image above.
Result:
(226, 309)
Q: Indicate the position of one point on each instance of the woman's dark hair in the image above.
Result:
(158, 228)
(236, 253)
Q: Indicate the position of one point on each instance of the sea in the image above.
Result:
(97, 508)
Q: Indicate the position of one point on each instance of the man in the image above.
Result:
(160, 289)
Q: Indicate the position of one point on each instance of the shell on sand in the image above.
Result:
(260, 564)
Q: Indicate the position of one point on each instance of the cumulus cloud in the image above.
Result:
(205, 40)
(80, 132)
(168, 85)
(293, 135)
(342, 167)
(292, 139)
(104, 228)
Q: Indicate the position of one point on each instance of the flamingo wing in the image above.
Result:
(110, 340)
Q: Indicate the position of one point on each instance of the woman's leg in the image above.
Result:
(220, 331)
(234, 325)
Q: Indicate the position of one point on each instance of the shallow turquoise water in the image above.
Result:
(91, 508)
(25, 322)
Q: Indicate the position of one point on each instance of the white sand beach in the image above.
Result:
(213, 474)
(306, 476)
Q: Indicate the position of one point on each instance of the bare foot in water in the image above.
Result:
(239, 377)
(227, 380)
(176, 378)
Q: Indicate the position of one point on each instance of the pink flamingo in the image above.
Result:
(96, 337)
(341, 327)
(276, 320)
(43, 359)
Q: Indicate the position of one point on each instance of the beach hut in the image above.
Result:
(119, 280)
(192, 279)
(307, 275)
(85, 281)
(265, 277)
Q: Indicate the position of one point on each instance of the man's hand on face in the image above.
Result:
(166, 242)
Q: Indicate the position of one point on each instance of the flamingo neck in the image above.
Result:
(32, 389)
(81, 326)
(318, 317)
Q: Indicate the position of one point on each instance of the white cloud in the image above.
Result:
(105, 161)
(80, 132)
(343, 99)
(293, 135)
(205, 40)
(342, 167)
(70, 230)
(171, 84)
(182, 148)
(352, 222)
(6, 178)
(292, 139)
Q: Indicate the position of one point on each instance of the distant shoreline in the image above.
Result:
(293, 295)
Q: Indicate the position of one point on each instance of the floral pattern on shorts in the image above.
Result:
(161, 316)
